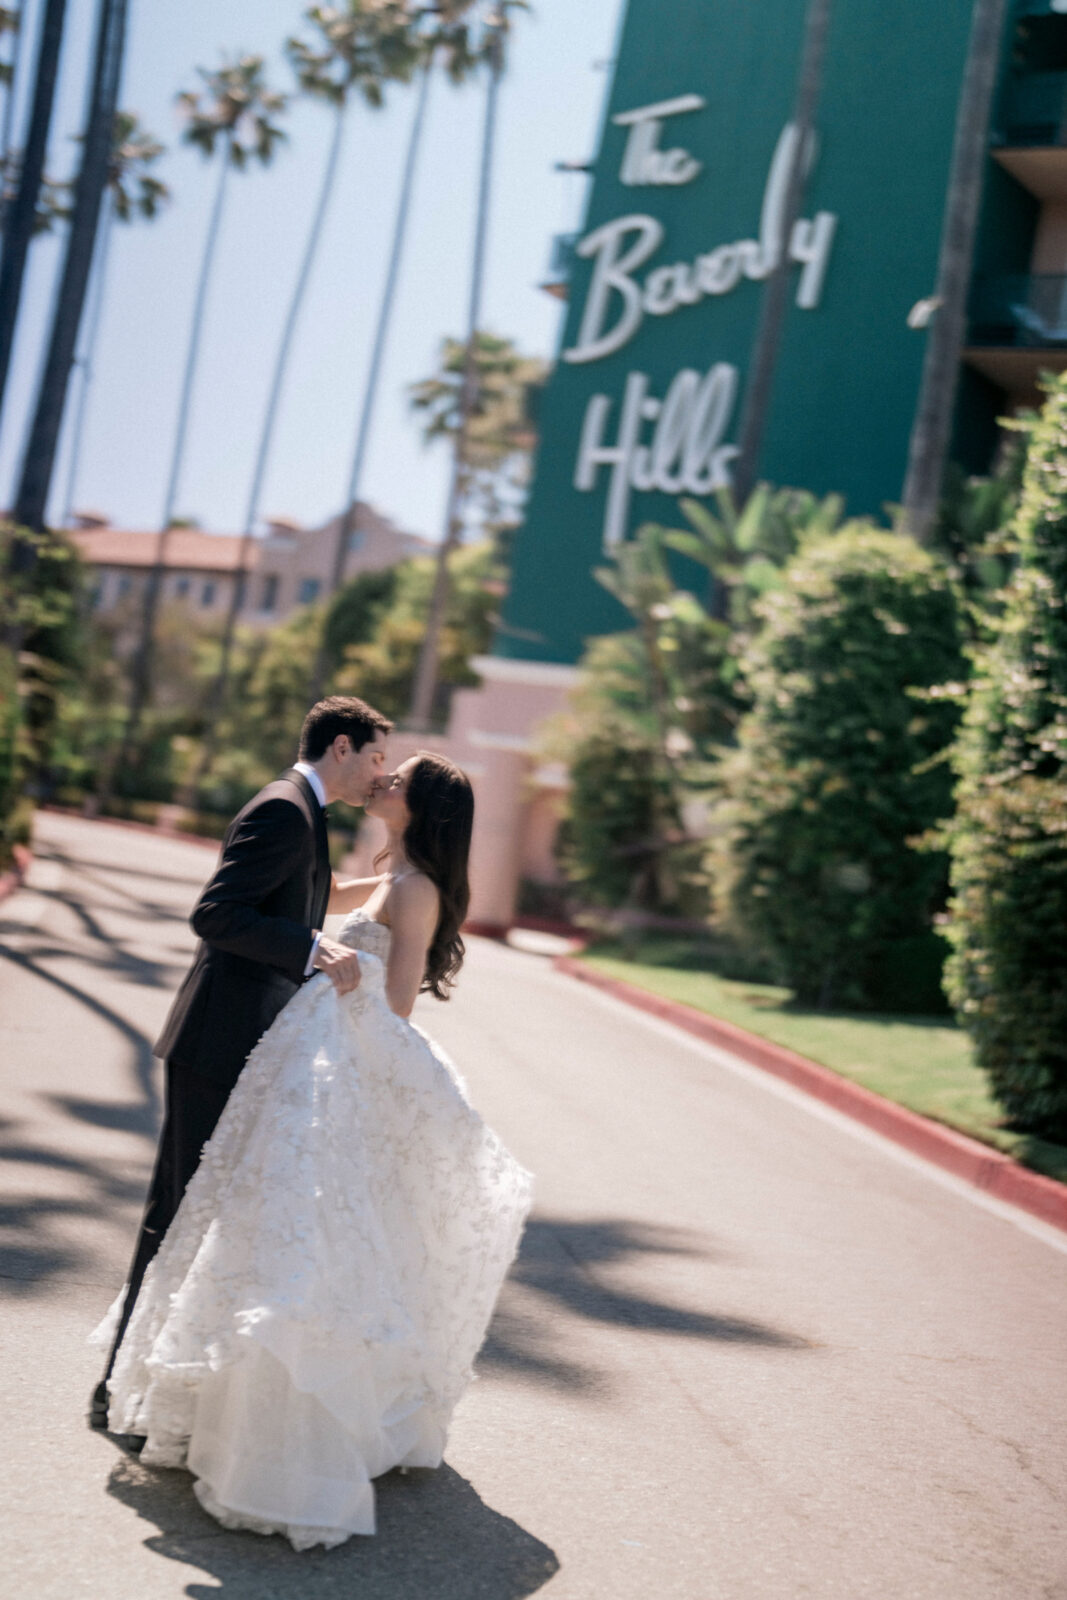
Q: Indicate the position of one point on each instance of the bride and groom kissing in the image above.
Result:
(329, 1221)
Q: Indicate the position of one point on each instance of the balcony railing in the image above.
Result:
(561, 259)
(1024, 310)
(1039, 8)
(1033, 110)
(561, 255)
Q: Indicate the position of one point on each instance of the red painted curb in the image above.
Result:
(976, 1163)
(14, 877)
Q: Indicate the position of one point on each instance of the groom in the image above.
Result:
(259, 922)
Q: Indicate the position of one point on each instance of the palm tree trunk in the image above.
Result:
(370, 391)
(8, 125)
(97, 289)
(425, 687)
(768, 341)
(142, 668)
(937, 394)
(22, 212)
(31, 498)
(220, 687)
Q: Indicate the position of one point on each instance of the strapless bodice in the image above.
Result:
(361, 932)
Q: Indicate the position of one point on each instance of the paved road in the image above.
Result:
(749, 1351)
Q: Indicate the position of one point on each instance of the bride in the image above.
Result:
(312, 1315)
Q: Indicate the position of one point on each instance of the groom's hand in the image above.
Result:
(340, 964)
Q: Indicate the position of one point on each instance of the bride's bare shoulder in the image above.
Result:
(412, 898)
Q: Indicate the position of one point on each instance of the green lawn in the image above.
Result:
(924, 1063)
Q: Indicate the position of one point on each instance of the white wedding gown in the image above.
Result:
(312, 1315)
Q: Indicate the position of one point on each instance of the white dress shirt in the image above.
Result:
(307, 771)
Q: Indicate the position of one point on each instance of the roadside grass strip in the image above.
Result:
(924, 1063)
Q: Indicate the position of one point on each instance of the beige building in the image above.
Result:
(289, 567)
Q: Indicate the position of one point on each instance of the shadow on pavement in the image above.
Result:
(436, 1536)
(138, 1042)
(31, 1252)
(557, 1276)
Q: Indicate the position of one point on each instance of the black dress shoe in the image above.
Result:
(98, 1406)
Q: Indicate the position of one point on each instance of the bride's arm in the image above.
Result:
(348, 893)
(413, 908)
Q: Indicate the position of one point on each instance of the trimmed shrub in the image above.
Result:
(837, 773)
(610, 843)
(1007, 975)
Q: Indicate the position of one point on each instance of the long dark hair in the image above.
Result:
(437, 841)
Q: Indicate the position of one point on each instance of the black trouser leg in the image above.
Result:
(194, 1105)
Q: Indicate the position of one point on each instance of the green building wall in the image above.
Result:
(849, 369)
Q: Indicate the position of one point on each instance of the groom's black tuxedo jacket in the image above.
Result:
(254, 921)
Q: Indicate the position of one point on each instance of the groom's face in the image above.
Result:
(356, 771)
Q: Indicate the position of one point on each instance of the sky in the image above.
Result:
(550, 109)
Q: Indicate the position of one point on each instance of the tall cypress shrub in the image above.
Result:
(837, 773)
(1007, 975)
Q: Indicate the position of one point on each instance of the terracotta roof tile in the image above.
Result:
(187, 548)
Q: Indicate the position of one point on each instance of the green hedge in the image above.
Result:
(837, 774)
(1007, 975)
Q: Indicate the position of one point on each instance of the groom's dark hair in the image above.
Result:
(339, 713)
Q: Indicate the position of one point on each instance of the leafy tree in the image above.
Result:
(745, 548)
(1007, 975)
(839, 769)
(355, 610)
(381, 668)
(268, 704)
(970, 532)
(40, 608)
(661, 698)
(622, 816)
(668, 697)
(373, 626)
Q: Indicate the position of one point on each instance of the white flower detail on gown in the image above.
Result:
(312, 1315)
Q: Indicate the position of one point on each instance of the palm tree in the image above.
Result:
(234, 112)
(772, 312)
(370, 388)
(361, 49)
(446, 34)
(492, 51)
(133, 191)
(10, 22)
(933, 417)
(20, 215)
(31, 496)
(500, 435)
